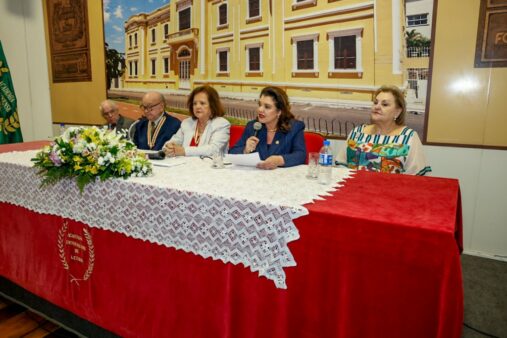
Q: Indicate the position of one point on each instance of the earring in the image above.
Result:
(395, 118)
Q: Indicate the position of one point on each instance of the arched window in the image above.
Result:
(184, 53)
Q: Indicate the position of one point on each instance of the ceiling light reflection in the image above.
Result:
(465, 85)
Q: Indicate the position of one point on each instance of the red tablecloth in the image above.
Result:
(380, 258)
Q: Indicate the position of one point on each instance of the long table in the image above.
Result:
(378, 258)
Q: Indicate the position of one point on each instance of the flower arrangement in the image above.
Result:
(87, 153)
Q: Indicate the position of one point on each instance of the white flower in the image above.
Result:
(91, 146)
(78, 148)
(106, 143)
(66, 136)
(109, 157)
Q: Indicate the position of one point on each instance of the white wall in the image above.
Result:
(414, 7)
(483, 182)
(23, 41)
(481, 173)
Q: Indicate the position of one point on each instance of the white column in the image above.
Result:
(272, 37)
(237, 37)
(141, 52)
(396, 36)
(282, 34)
(202, 37)
(375, 24)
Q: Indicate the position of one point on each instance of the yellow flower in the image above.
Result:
(127, 166)
(84, 164)
(91, 169)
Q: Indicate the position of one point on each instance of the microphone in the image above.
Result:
(159, 155)
(257, 126)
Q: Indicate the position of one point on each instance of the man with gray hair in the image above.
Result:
(111, 113)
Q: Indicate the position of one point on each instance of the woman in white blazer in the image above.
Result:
(206, 132)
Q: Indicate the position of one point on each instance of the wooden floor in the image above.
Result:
(16, 322)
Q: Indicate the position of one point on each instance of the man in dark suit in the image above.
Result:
(111, 114)
(157, 127)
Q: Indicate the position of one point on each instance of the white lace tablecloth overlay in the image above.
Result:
(233, 214)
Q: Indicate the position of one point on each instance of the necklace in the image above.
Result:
(197, 135)
(198, 132)
(388, 131)
(273, 130)
(201, 127)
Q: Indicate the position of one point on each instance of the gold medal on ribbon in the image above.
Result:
(151, 135)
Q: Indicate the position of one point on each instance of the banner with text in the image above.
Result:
(10, 131)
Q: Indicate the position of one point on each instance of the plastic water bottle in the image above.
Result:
(325, 163)
(62, 128)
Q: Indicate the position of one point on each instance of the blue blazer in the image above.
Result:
(291, 145)
(168, 129)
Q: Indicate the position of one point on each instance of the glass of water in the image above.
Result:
(313, 166)
(218, 159)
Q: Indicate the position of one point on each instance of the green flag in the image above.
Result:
(10, 131)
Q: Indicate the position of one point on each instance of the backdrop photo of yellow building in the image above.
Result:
(320, 51)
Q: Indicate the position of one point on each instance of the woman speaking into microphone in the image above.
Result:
(276, 135)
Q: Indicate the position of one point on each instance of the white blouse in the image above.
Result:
(215, 137)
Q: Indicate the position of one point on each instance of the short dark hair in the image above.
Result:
(282, 103)
(399, 100)
(215, 104)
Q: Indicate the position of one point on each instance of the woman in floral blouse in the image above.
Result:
(386, 145)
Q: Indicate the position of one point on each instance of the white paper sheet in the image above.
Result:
(249, 160)
(147, 151)
(168, 162)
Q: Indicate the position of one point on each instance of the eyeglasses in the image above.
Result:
(108, 113)
(149, 108)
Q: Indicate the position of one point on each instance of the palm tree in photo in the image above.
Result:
(413, 37)
(115, 65)
(415, 44)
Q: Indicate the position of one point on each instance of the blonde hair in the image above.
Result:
(399, 100)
